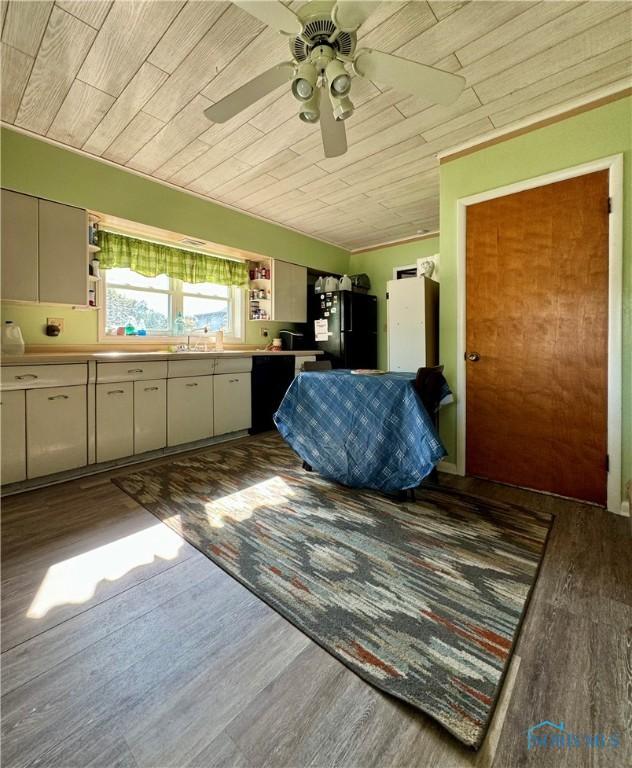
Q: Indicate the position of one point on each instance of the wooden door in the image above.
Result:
(231, 402)
(63, 254)
(537, 315)
(19, 246)
(115, 420)
(150, 415)
(189, 409)
(56, 430)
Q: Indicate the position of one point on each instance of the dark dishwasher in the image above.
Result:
(271, 376)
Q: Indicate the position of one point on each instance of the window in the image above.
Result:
(136, 306)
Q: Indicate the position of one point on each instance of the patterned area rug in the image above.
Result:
(422, 600)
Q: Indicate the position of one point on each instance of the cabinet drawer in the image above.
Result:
(180, 368)
(107, 372)
(189, 409)
(35, 376)
(231, 397)
(56, 430)
(150, 415)
(115, 421)
(233, 365)
(13, 427)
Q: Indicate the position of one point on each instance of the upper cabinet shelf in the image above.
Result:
(277, 291)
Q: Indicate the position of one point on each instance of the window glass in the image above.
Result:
(134, 307)
(120, 276)
(206, 289)
(199, 312)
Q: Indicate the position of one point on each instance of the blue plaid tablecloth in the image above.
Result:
(362, 431)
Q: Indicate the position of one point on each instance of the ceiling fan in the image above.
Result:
(322, 37)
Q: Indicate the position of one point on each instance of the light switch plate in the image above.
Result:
(58, 321)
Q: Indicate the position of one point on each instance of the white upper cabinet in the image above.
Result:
(289, 292)
(19, 246)
(63, 255)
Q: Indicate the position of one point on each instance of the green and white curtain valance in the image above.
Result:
(153, 259)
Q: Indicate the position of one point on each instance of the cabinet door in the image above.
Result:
(231, 398)
(189, 409)
(19, 246)
(150, 415)
(56, 430)
(13, 428)
(289, 292)
(115, 421)
(63, 254)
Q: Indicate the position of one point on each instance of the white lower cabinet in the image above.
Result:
(13, 430)
(115, 420)
(189, 409)
(231, 399)
(150, 415)
(56, 430)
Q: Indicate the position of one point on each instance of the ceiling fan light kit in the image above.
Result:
(322, 39)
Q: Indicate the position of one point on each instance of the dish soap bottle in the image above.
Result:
(219, 340)
(179, 324)
(129, 328)
(12, 341)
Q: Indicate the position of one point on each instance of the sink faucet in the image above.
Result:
(191, 332)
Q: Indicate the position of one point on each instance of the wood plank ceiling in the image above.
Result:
(128, 81)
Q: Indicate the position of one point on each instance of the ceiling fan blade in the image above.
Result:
(272, 13)
(252, 91)
(409, 76)
(348, 15)
(332, 131)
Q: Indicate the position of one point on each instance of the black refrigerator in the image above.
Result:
(351, 327)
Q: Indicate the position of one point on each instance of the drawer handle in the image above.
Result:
(192, 384)
(151, 389)
(232, 381)
(116, 392)
(26, 376)
(58, 397)
(135, 370)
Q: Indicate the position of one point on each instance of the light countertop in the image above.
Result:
(44, 358)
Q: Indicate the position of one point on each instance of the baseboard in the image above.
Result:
(448, 467)
(625, 508)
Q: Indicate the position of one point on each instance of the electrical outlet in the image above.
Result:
(264, 333)
(58, 321)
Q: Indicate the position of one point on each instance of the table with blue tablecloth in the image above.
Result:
(361, 430)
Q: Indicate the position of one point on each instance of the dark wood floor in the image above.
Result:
(167, 661)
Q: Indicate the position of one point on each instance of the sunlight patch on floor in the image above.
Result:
(75, 580)
(241, 505)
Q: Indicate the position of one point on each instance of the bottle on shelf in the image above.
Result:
(141, 330)
(129, 328)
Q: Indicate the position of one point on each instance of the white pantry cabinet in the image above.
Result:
(56, 430)
(13, 426)
(150, 415)
(115, 421)
(189, 409)
(231, 402)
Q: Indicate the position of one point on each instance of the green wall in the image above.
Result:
(378, 265)
(591, 135)
(45, 170)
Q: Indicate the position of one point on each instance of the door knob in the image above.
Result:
(473, 357)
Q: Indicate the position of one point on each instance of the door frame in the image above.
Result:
(614, 165)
